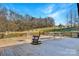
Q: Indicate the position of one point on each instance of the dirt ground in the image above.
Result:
(24, 39)
(14, 41)
(19, 40)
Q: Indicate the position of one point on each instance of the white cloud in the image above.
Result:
(48, 10)
(57, 14)
(53, 7)
(66, 5)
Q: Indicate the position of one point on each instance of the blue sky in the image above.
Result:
(56, 10)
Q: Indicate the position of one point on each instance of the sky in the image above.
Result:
(58, 11)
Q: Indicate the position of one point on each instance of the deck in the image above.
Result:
(49, 47)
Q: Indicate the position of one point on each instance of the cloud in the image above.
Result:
(58, 13)
(55, 7)
(62, 10)
(58, 16)
(48, 9)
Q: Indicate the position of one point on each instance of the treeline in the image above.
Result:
(73, 20)
(13, 21)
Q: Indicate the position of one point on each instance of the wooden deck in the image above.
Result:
(17, 50)
(66, 47)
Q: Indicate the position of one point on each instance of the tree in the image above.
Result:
(10, 20)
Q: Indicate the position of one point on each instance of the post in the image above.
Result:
(54, 32)
(78, 12)
(78, 8)
(71, 21)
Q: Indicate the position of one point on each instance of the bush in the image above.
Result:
(12, 35)
(1, 35)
